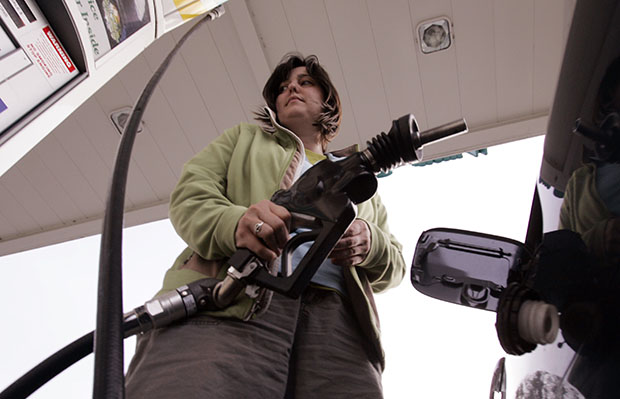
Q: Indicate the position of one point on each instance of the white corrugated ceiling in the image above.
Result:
(499, 74)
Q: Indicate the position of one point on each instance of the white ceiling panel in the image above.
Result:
(183, 96)
(30, 200)
(148, 156)
(438, 71)
(273, 28)
(246, 90)
(97, 128)
(48, 187)
(210, 75)
(17, 218)
(551, 24)
(514, 46)
(475, 60)
(310, 27)
(159, 117)
(70, 179)
(397, 56)
(360, 67)
(9, 229)
(312, 32)
(85, 157)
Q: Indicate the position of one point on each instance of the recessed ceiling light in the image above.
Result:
(121, 117)
(434, 35)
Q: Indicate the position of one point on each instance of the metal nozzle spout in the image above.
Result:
(404, 142)
(443, 131)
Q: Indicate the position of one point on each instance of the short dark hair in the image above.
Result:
(329, 120)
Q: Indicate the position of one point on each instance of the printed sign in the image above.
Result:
(110, 22)
(33, 62)
(6, 44)
(36, 38)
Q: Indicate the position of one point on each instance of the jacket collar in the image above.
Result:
(269, 122)
(271, 125)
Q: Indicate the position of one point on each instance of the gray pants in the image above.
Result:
(310, 347)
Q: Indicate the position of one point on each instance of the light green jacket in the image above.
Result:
(584, 212)
(243, 166)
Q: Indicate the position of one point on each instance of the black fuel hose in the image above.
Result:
(109, 371)
(61, 360)
(109, 332)
(50, 368)
(159, 311)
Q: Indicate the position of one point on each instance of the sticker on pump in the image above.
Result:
(64, 58)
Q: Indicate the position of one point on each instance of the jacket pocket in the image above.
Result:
(208, 267)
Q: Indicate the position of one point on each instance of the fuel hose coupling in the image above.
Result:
(524, 321)
(161, 311)
(538, 322)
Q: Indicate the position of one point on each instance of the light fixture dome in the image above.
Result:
(434, 35)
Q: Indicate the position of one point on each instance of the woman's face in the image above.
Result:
(300, 99)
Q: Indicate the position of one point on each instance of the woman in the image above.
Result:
(325, 343)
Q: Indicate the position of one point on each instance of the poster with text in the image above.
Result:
(33, 62)
(110, 22)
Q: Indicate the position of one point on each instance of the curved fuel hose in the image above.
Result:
(109, 375)
(109, 332)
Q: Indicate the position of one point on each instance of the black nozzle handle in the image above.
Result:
(443, 131)
(590, 132)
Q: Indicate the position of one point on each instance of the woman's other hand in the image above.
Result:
(353, 246)
(263, 229)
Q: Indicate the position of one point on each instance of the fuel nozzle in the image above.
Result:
(323, 197)
(404, 142)
(605, 138)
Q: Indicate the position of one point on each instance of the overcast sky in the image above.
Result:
(433, 349)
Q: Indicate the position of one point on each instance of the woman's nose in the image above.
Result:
(293, 86)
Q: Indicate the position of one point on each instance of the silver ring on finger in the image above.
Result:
(258, 226)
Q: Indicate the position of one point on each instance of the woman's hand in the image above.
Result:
(353, 246)
(263, 229)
